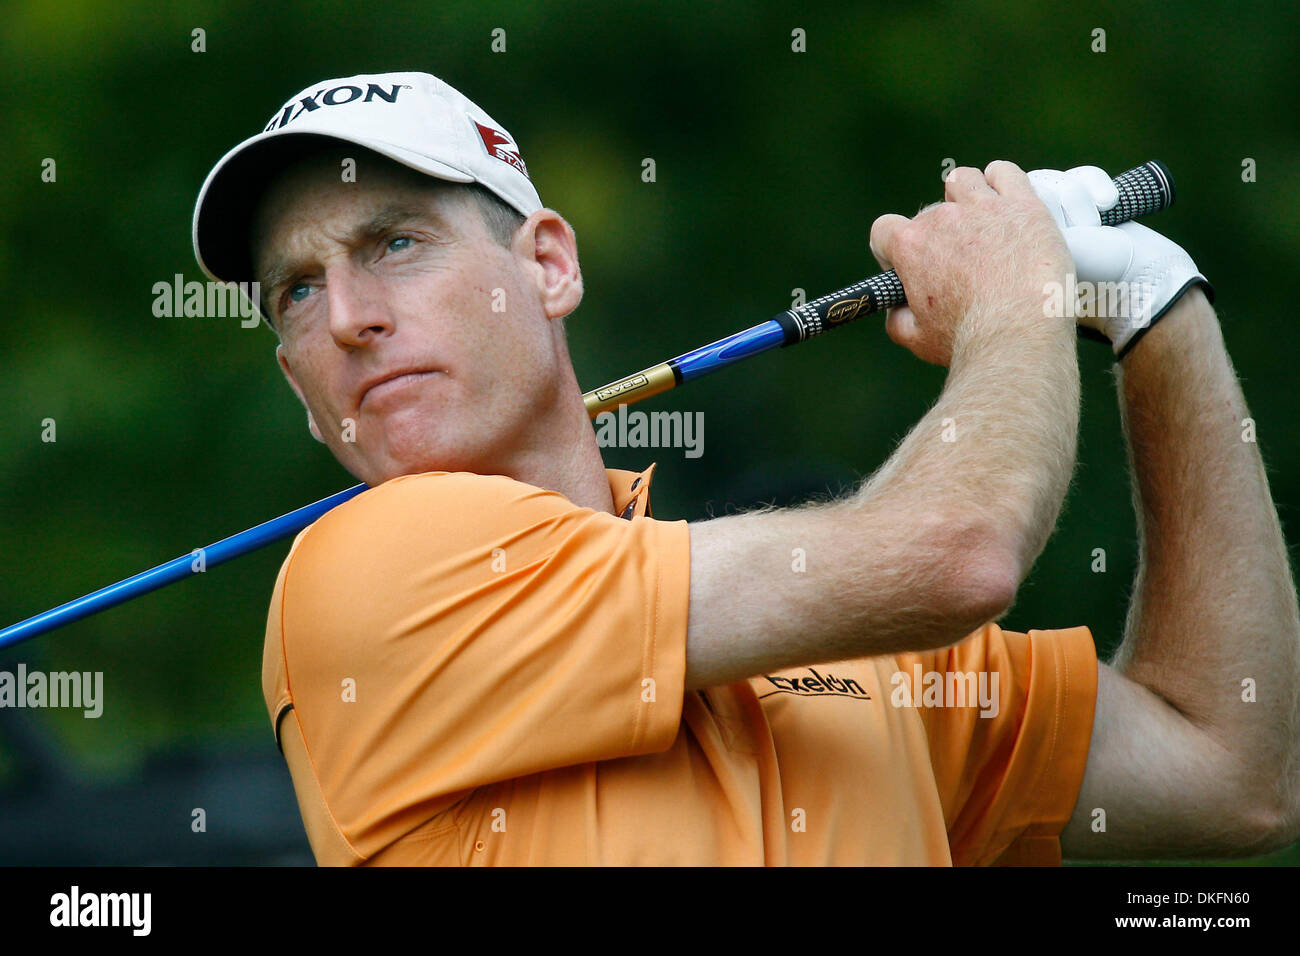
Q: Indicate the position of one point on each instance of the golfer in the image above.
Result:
(497, 655)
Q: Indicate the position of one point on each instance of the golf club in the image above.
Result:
(1143, 190)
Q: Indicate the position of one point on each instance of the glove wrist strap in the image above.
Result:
(1133, 339)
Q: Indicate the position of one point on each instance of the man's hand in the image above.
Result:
(1128, 275)
(976, 262)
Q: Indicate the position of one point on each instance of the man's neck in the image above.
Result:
(578, 471)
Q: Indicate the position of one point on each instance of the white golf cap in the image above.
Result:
(413, 118)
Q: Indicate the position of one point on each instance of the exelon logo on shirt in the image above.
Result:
(817, 685)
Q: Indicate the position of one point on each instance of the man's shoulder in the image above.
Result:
(442, 554)
(415, 525)
(392, 552)
(458, 504)
(443, 488)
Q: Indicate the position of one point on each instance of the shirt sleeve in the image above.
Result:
(446, 631)
(1009, 775)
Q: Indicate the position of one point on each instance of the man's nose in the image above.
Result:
(358, 308)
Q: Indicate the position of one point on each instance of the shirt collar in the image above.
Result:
(631, 491)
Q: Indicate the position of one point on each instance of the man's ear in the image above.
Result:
(293, 382)
(549, 248)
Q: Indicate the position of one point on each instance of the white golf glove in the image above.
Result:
(1128, 275)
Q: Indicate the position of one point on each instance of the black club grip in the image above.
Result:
(1143, 190)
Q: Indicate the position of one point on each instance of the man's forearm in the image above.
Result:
(967, 501)
(997, 449)
(1213, 626)
(931, 548)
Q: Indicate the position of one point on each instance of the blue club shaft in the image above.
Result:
(174, 570)
(734, 348)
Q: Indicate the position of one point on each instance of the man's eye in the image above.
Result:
(393, 243)
(299, 292)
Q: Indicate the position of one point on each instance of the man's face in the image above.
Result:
(397, 273)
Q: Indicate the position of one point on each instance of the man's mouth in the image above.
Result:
(392, 384)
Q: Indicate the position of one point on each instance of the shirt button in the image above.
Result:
(629, 510)
(478, 846)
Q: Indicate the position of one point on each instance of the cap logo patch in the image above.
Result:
(501, 146)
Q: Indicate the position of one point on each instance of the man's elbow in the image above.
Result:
(1266, 823)
(1277, 827)
(985, 578)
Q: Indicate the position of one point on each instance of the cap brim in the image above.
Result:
(223, 214)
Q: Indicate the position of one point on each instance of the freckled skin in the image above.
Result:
(504, 399)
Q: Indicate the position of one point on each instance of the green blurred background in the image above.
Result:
(771, 165)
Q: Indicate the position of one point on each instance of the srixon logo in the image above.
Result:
(334, 96)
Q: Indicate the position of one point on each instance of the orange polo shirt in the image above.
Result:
(464, 670)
